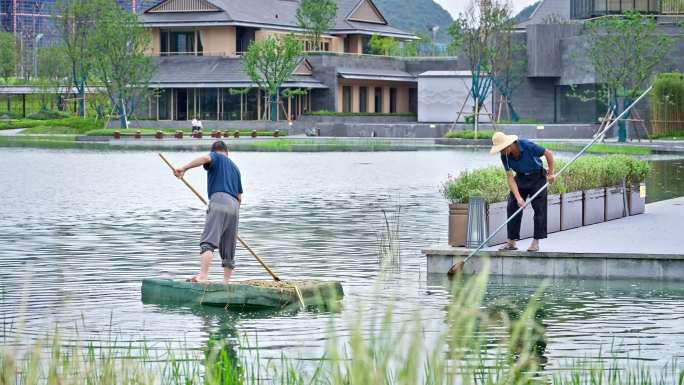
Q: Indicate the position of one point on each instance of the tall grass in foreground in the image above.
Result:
(375, 352)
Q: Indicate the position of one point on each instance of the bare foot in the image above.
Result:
(197, 279)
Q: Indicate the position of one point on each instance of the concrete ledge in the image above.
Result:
(559, 264)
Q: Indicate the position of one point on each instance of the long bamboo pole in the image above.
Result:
(246, 246)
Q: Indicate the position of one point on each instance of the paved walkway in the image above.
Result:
(657, 231)
(12, 132)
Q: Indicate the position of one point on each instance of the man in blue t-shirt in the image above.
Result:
(524, 157)
(224, 186)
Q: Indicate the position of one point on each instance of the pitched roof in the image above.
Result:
(274, 14)
(209, 72)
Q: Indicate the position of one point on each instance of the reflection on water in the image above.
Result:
(80, 230)
(666, 181)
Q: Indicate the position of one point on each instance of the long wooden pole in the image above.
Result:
(246, 246)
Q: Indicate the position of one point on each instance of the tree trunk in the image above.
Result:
(122, 116)
(274, 107)
(81, 99)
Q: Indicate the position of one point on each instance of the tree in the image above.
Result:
(382, 45)
(316, 17)
(8, 55)
(270, 62)
(120, 63)
(506, 59)
(624, 52)
(456, 34)
(53, 75)
(75, 24)
(477, 32)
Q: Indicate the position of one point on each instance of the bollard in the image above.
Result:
(254, 134)
(117, 135)
(138, 135)
(237, 134)
(276, 133)
(318, 131)
(159, 135)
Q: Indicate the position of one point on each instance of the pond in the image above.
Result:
(79, 230)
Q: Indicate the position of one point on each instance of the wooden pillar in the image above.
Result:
(9, 103)
(385, 100)
(355, 99)
(23, 105)
(289, 107)
(259, 104)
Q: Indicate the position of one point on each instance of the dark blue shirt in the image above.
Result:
(530, 157)
(223, 175)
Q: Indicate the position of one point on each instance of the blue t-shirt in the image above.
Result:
(530, 158)
(223, 175)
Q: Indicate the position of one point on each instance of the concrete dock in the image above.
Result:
(646, 246)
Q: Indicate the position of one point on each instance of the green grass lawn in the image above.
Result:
(469, 134)
(599, 148)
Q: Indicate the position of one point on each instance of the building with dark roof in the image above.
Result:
(198, 44)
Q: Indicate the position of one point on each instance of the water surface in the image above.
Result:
(79, 230)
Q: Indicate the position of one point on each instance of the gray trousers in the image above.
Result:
(221, 226)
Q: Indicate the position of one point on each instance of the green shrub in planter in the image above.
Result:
(488, 183)
(615, 170)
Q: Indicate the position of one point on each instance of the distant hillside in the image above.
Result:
(526, 12)
(414, 15)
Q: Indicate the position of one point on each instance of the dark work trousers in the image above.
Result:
(528, 184)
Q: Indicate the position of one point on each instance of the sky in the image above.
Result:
(456, 6)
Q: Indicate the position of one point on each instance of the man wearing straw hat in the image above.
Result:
(524, 157)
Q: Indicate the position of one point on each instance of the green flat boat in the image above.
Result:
(244, 294)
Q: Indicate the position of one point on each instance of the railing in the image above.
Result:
(584, 9)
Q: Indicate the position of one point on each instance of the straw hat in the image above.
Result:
(501, 141)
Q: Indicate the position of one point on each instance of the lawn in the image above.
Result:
(599, 148)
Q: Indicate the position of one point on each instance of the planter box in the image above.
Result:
(137, 135)
(636, 199)
(159, 135)
(458, 224)
(553, 213)
(615, 203)
(496, 215)
(178, 134)
(571, 210)
(117, 135)
(594, 206)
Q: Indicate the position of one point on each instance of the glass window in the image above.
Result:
(378, 99)
(208, 103)
(164, 43)
(413, 100)
(251, 105)
(363, 99)
(393, 100)
(164, 103)
(231, 106)
(346, 99)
